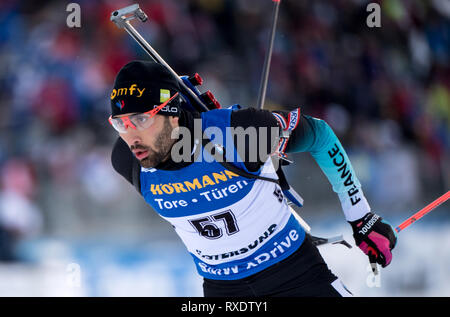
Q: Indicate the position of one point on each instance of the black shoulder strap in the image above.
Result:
(136, 175)
(281, 181)
(220, 158)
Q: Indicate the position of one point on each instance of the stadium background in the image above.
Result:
(69, 225)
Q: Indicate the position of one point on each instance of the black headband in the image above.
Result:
(141, 86)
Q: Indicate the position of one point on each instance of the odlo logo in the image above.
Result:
(167, 109)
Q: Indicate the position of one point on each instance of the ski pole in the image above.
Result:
(260, 104)
(423, 212)
(266, 68)
(410, 221)
(317, 241)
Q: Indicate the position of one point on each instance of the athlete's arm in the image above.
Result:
(374, 236)
(316, 137)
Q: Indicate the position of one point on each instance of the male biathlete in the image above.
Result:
(240, 230)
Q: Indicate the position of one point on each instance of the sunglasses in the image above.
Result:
(138, 121)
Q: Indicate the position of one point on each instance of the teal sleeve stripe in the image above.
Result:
(324, 146)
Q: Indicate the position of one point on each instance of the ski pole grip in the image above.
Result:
(373, 261)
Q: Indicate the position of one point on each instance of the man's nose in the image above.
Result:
(132, 136)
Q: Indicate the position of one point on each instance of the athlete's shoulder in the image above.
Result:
(252, 117)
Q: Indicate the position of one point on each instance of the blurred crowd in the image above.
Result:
(385, 91)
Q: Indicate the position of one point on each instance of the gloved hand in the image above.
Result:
(375, 237)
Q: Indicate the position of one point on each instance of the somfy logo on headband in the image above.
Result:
(125, 91)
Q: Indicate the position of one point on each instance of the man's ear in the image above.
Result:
(175, 126)
(174, 121)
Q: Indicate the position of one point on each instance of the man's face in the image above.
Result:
(152, 145)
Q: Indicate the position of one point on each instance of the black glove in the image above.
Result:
(375, 237)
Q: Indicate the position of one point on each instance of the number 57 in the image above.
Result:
(208, 229)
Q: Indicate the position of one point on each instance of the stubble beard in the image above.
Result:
(163, 146)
